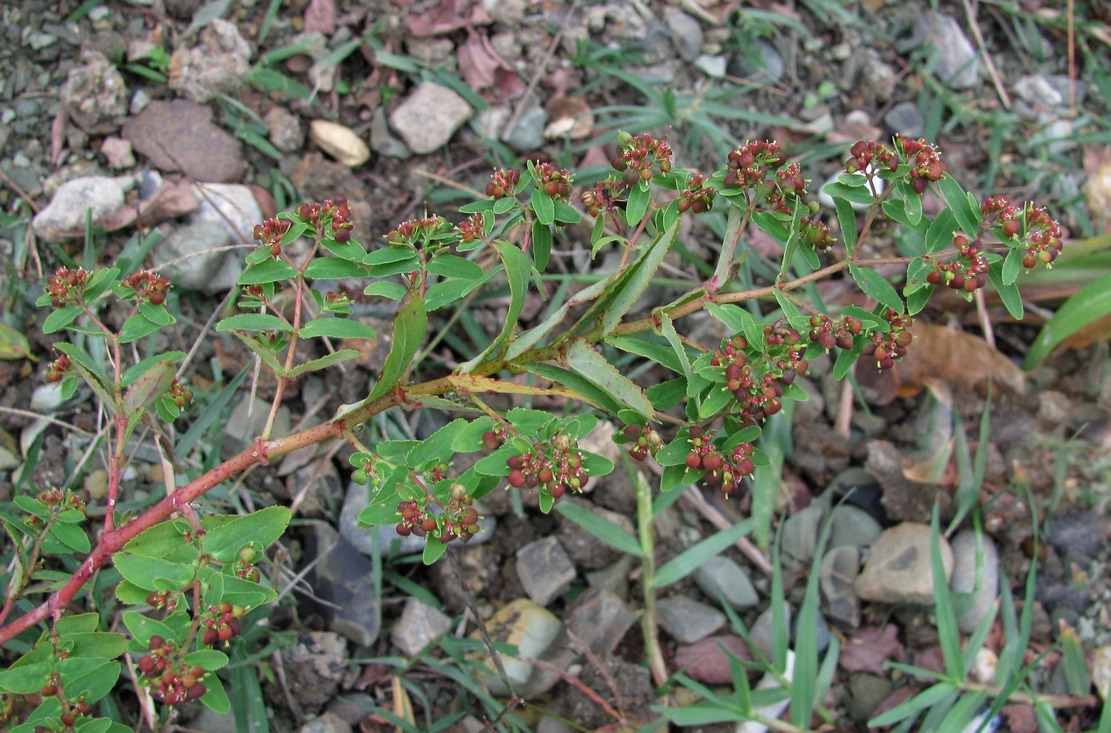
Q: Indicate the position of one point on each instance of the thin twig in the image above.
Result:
(694, 498)
(576, 683)
(970, 13)
(20, 192)
(985, 319)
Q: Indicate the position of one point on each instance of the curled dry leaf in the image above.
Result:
(570, 117)
(447, 16)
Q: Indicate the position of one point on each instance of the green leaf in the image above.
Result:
(215, 697)
(156, 314)
(601, 528)
(436, 448)
(13, 344)
(1009, 294)
(650, 347)
(135, 371)
(409, 329)
(565, 214)
(433, 550)
(846, 217)
(264, 527)
(587, 390)
(1090, 303)
(386, 289)
(446, 265)
(142, 628)
(329, 360)
(543, 205)
(99, 283)
(335, 268)
(91, 678)
(152, 573)
(253, 322)
(153, 383)
(1012, 266)
(858, 194)
(876, 287)
(939, 236)
(26, 679)
(530, 338)
(967, 216)
(135, 328)
(693, 557)
(267, 271)
(541, 244)
(632, 283)
(639, 198)
(209, 660)
(911, 708)
(336, 328)
(72, 536)
(518, 268)
(160, 540)
(60, 318)
(450, 292)
(592, 366)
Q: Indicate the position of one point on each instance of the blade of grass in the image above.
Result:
(602, 529)
(690, 559)
(948, 633)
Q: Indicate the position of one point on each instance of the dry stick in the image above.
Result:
(603, 670)
(970, 13)
(576, 683)
(843, 426)
(556, 39)
(985, 319)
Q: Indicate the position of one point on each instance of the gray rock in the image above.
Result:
(429, 116)
(614, 578)
(1037, 91)
(970, 571)
(420, 624)
(762, 63)
(866, 692)
(314, 667)
(800, 533)
(94, 94)
(838, 571)
(852, 526)
(878, 75)
(284, 129)
(247, 421)
(352, 707)
(687, 620)
(233, 206)
(762, 632)
(64, 216)
(326, 723)
(721, 579)
(212, 722)
(582, 547)
(599, 619)
(343, 580)
(822, 636)
(528, 133)
(362, 538)
(905, 119)
(545, 570)
(898, 568)
(382, 140)
(217, 66)
(180, 135)
(955, 59)
(196, 253)
(686, 33)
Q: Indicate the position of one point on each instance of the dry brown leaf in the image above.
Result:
(477, 65)
(320, 15)
(962, 360)
(447, 16)
(870, 647)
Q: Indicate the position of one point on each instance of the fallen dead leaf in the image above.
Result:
(447, 16)
(320, 15)
(870, 647)
(959, 358)
(477, 65)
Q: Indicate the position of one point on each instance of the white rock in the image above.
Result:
(231, 205)
(899, 568)
(970, 570)
(64, 216)
(428, 118)
(339, 142)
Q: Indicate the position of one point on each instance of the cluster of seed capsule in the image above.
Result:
(757, 383)
(967, 270)
(645, 441)
(149, 287)
(330, 215)
(890, 347)
(410, 230)
(724, 469)
(556, 182)
(171, 680)
(828, 332)
(221, 622)
(270, 232)
(697, 197)
(640, 157)
(65, 286)
(503, 182)
(554, 466)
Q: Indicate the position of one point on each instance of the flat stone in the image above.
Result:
(420, 624)
(686, 33)
(232, 206)
(65, 216)
(850, 525)
(179, 135)
(343, 581)
(957, 63)
(545, 570)
(838, 571)
(721, 579)
(688, 620)
(196, 252)
(342, 143)
(599, 619)
(326, 723)
(529, 627)
(905, 119)
(972, 574)
(899, 569)
(708, 660)
(800, 533)
(429, 116)
(314, 666)
(285, 130)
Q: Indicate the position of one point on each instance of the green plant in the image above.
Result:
(192, 580)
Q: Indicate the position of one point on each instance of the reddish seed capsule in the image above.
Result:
(934, 277)
(156, 642)
(551, 188)
(342, 235)
(546, 476)
(516, 478)
(712, 462)
(1029, 261)
(157, 298)
(694, 460)
(558, 491)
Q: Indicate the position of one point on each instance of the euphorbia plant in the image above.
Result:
(192, 579)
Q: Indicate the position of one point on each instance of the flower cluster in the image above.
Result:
(556, 182)
(331, 213)
(967, 270)
(815, 234)
(59, 368)
(757, 380)
(924, 160)
(270, 232)
(749, 164)
(645, 441)
(472, 228)
(605, 196)
(149, 287)
(221, 622)
(698, 197)
(409, 231)
(162, 599)
(888, 348)
(503, 183)
(640, 156)
(869, 156)
(171, 680)
(828, 333)
(460, 519)
(554, 467)
(65, 286)
(63, 499)
(1043, 239)
(723, 469)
